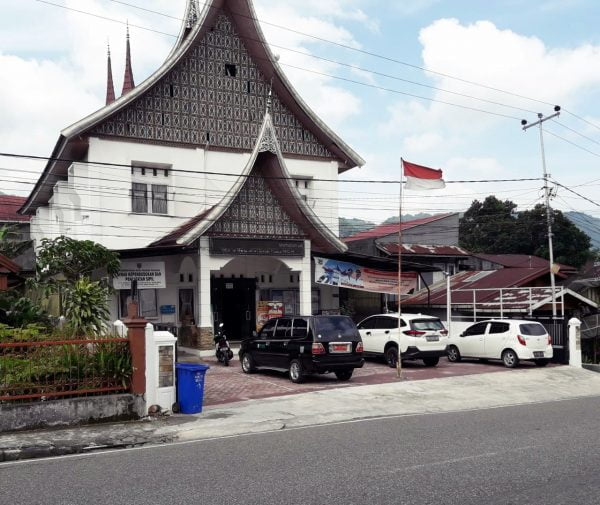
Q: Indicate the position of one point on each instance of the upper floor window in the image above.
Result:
(149, 188)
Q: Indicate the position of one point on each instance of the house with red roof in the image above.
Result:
(19, 229)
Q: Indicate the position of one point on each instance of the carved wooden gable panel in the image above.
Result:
(256, 212)
(216, 95)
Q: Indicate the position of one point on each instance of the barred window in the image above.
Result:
(159, 199)
(139, 198)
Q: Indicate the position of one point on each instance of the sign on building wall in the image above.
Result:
(255, 247)
(349, 275)
(149, 275)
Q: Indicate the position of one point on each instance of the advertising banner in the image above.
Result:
(349, 275)
(149, 275)
(266, 311)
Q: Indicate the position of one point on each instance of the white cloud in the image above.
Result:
(53, 61)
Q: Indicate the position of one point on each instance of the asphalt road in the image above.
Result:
(536, 454)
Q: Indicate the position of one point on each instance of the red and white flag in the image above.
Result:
(419, 177)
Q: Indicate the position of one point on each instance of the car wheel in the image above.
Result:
(541, 362)
(391, 356)
(510, 358)
(431, 361)
(453, 354)
(344, 375)
(296, 373)
(248, 363)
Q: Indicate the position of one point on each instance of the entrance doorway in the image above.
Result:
(234, 305)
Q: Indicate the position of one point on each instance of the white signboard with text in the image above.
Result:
(149, 275)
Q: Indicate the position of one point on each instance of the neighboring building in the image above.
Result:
(480, 261)
(9, 273)
(587, 282)
(19, 227)
(505, 292)
(211, 178)
(429, 246)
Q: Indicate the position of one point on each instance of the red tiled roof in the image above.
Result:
(387, 229)
(8, 266)
(424, 250)
(463, 283)
(9, 205)
(174, 235)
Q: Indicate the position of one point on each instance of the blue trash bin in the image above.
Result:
(190, 387)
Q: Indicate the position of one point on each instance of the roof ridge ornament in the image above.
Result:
(268, 140)
(193, 13)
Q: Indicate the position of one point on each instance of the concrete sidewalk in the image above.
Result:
(320, 407)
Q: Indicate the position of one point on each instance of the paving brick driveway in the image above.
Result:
(229, 384)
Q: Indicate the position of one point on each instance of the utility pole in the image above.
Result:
(526, 126)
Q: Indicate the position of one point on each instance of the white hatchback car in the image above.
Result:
(506, 339)
(423, 337)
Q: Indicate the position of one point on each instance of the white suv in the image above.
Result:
(506, 339)
(422, 337)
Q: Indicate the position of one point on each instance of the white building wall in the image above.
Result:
(95, 203)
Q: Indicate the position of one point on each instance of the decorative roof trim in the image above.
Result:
(184, 41)
(266, 142)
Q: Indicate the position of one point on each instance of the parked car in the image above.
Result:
(506, 339)
(304, 345)
(422, 337)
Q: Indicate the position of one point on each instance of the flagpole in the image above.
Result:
(399, 360)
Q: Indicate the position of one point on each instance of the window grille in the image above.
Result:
(139, 198)
(159, 199)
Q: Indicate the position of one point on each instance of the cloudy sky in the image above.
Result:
(52, 73)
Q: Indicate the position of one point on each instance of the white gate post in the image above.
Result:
(575, 342)
(160, 368)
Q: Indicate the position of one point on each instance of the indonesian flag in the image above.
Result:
(419, 177)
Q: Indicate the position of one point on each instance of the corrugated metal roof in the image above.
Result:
(520, 261)
(463, 284)
(424, 250)
(388, 229)
(9, 205)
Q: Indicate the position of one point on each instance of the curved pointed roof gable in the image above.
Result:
(244, 17)
(274, 168)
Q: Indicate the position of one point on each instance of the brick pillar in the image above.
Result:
(136, 332)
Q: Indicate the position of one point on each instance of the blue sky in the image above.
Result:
(52, 73)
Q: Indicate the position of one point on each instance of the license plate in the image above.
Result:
(338, 348)
(432, 338)
(538, 354)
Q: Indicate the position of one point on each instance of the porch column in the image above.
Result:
(205, 323)
(306, 282)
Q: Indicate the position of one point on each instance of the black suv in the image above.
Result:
(302, 345)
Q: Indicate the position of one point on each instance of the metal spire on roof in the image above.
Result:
(128, 83)
(193, 13)
(110, 87)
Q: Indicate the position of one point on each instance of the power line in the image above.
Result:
(332, 76)
(577, 133)
(572, 143)
(358, 181)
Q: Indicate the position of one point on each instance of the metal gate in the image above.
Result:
(558, 329)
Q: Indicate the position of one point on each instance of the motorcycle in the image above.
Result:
(223, 351)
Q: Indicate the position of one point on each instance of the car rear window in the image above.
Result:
(332, 326)
(427, 324)
(532, 329)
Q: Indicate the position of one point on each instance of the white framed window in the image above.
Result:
(150, 188)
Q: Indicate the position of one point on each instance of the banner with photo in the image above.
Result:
(342, 274)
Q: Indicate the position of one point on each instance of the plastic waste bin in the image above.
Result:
(190, 387)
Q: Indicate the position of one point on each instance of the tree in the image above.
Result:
(65, 266)
(11, 244)
(493, 227)
(488, 227)
(72, 259)
(571, 245)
